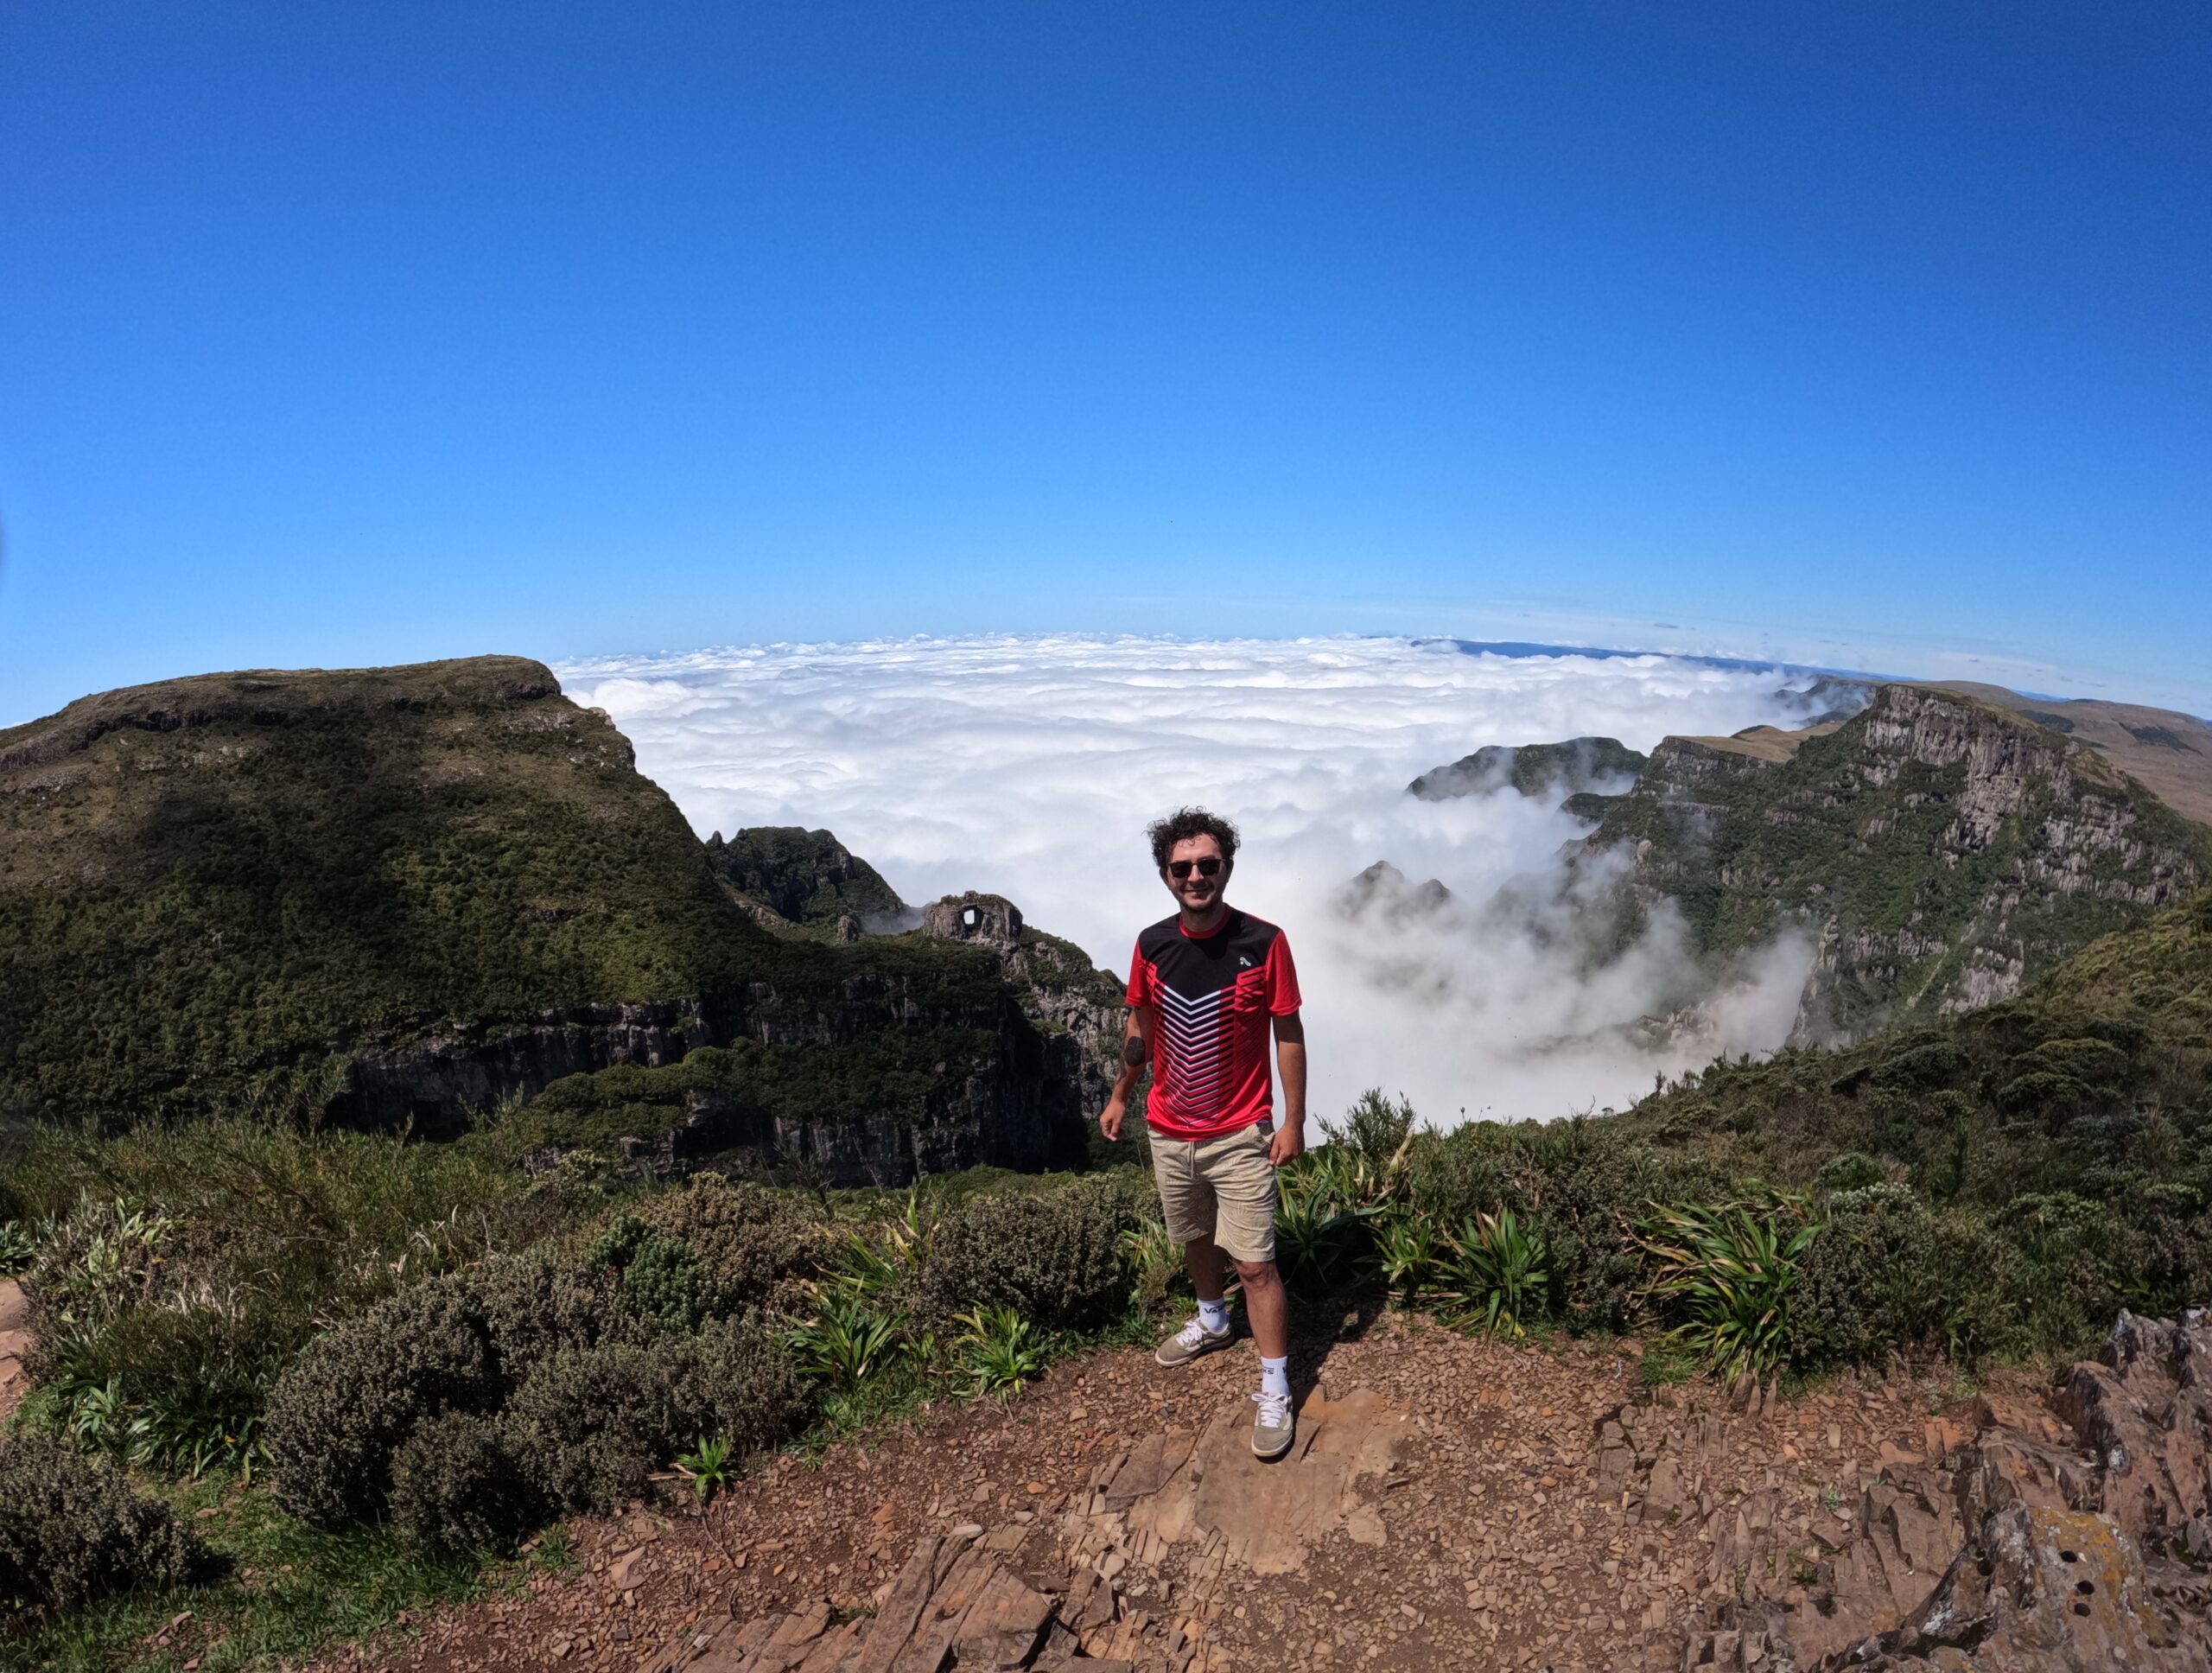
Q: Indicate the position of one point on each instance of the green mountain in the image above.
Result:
(383, 896)
(1537, 769)
(2092, 1086)
(1944, 852)
(806, 878)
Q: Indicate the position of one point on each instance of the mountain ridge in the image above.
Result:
(391, 895)
(1947, 850)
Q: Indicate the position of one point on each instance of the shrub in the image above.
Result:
(1320, 1230)
(1406, 1250)
(1939, 1063)
(180, 1386)
(19, 1242)
(456, 1488)
(1376, 1128)
(1852, 1170)
(536, 1303)
(714, 1250)
(2071, 1258)
(106, 1259)
(591, 1424)
(1576, 1184)
(1054, 1256)
(1155, 1260)
(736, 1382)
(360, 1389)
(1872, 1281)
(999, 1352)
(71, 1530)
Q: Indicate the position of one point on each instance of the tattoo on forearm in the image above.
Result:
(1133, 1052)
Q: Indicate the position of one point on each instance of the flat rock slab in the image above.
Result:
(1177, 1489)
(953, 1605)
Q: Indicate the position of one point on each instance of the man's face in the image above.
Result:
(1194, 857)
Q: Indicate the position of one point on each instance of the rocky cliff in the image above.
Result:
(1944, 851)
(1005, 1080)
(392, 895)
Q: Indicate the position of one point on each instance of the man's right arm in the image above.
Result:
(1136, 1049)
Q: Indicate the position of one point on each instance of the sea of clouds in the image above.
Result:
(1028, 767)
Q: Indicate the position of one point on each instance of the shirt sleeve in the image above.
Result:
(1282, 978)
(1139, 991)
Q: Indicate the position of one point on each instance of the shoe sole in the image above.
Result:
(1160, 1355)
(1289, 1436)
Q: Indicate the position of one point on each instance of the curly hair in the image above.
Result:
(1186, 822)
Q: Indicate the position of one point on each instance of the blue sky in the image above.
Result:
(1874, 335)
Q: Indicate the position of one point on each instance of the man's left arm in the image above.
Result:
(1290, 1058)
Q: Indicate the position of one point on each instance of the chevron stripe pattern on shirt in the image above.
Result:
(1195, 1045)
(1213, 999)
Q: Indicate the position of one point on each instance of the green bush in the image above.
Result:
(189, 1266)
(1493, 1273)
(71, 1530)
(1577, 1186)
(455, 1486)
(1852, 1170)
(1873, 1280)
(1939, 1063)
(1054, 1256)
(360, 1390)
(714, 1250)
(736, 1382)
(591, 1424)
(536, 1303)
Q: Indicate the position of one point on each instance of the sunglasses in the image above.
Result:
(1178, 869)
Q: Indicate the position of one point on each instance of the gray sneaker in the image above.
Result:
(1193, 1339)
(1276, 1427)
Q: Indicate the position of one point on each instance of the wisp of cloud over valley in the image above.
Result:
(1028, 766)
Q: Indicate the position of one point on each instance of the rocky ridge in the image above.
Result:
(1944, 852)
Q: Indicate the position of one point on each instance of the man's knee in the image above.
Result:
(1257, 1274)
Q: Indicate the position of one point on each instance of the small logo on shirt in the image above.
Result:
(1242, 962)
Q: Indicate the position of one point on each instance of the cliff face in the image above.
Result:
(1944, 851)
(406, 894)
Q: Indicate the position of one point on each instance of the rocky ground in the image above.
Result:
(14, 1341)
(1451, 1502)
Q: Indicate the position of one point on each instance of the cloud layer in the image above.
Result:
(1029, 767)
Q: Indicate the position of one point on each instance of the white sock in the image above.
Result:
(1274, 1376)
(1214, 1315)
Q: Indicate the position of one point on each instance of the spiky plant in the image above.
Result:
(1733, 1268)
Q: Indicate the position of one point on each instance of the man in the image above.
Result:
(1206, 987)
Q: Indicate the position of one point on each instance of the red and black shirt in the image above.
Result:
(1213, 999)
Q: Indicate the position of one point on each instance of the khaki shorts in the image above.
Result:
(1221, 1188)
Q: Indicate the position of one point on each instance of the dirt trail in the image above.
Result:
(1485, 1507)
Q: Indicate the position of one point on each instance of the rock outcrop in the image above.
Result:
(2017, 1541)
(1075, 1007)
